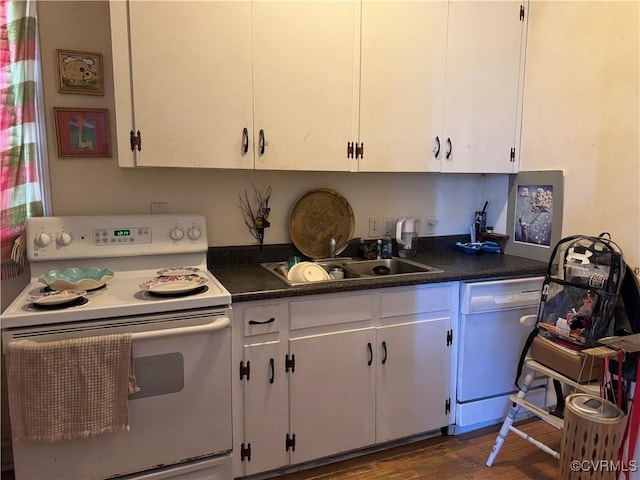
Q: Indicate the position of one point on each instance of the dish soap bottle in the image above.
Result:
(386, 247)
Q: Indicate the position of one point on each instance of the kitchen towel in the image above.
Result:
(66, 389)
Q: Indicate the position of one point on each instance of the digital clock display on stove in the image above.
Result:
(121, 233)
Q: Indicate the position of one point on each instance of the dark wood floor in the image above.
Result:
(460, 457)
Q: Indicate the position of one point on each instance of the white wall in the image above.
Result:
(582, 113)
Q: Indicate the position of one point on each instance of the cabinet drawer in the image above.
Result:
(330, 311)
(409, 301)
(261, 319)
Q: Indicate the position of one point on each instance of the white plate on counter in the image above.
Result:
(57, 297)
(173, 284)
(307, 272)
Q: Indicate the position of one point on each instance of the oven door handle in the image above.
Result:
(218, 324)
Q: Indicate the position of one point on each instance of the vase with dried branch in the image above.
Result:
(258, 221)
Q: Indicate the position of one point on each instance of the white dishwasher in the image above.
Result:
(490, 342)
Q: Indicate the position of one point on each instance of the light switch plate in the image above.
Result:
(374, 227)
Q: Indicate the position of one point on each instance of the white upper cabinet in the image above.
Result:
(305, 67)
(483, 87)
(403, 63)
(186, 85)
(440, 86)
(236, 84)
(345, 85)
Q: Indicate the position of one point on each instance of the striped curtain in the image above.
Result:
(19, 182)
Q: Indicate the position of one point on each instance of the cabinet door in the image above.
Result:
(265, 407)
(305, 79)
(332, 393)
(402, 85)
(413, 371)
(186, 85)
(482, 87)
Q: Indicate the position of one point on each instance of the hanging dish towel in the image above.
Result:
(67, 389)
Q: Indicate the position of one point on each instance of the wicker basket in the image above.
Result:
(591, 437)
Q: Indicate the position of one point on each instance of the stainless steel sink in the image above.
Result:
(357, 269)
(391, 266)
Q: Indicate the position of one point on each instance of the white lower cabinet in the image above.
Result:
(332, 407)
(412, 378)
(259, 388)
(334, 373)
(414, 360)
(264, 407)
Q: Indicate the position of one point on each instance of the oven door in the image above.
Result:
(182, 412)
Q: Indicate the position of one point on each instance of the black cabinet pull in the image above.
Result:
(245, 140)
(384, 350)
(272, 366)
(437, 146)
(258, 322)
(450, 148)
(261, 142)
(370, 348)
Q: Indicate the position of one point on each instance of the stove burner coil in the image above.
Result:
(195, 291)
(48, 289)
(76, 302)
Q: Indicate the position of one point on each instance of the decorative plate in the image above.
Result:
(57, 297)
(76, 278)
(174, 284)
(173, 271)
(315, 216)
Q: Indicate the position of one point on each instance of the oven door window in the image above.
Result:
(158, 374)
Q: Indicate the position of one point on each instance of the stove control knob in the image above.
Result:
(194, 233)
(64, 239)
(43, 239)
(176, 233)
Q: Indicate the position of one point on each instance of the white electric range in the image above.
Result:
(180, 423)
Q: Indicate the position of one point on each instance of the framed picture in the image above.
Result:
(534, 215)
(82, 132)
(80, 72)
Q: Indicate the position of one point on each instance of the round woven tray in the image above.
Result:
(315, 216)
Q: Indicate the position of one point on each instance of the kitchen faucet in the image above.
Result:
(332, 246)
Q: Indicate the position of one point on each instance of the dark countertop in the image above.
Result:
(251, 281)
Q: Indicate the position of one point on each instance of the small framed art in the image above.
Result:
(82, 132)
(80, 72)
(534, 215)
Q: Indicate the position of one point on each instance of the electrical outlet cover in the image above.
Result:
(430, 223)
(389, 226)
